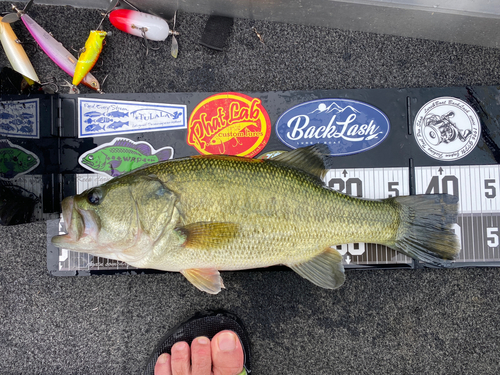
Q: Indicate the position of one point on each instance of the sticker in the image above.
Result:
(447, 128)
(109, 117)
(346, 126)
(15, 160)
(121, 156)
(230, 124)
(20, 118)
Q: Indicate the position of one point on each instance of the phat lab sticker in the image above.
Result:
(123, 155)
(229, 124)
(20, 118)
(447, 128)
(15, 160)
(346, 126)
(110, 117)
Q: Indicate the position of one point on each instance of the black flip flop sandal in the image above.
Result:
(205, 323)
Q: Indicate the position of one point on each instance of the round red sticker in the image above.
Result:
(229, 124)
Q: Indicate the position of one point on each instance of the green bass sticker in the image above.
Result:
(15, 160)
(123, 155)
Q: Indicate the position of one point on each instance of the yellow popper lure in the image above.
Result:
(89, 56)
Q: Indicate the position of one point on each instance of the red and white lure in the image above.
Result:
(144, 25)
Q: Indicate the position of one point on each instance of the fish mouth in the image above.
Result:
(82, 226)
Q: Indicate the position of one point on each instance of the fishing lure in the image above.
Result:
(89, 56)
(54, 49)
(144, 25)
(16, 54)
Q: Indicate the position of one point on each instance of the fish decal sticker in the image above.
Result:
(117, 114)
(93, 114)
(123, 155)
(15, 160)
(117, 124)
(94, 128)
(20, 118)
(6, 116)
(119, 117)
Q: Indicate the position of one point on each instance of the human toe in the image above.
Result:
(163, 366)
(227, 354)
(201, 359)
(181, 358)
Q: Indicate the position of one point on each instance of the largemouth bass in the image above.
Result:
(203, 214)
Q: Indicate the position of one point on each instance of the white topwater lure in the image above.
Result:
(144, 25)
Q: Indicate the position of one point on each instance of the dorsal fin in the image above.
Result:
(309, 159)
(143, 148)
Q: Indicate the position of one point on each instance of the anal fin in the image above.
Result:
(205, 279)
(325, 270)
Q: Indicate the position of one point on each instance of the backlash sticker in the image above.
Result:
(346, 126)
(229, 124)
(447, 128)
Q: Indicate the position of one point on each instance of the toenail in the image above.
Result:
(162, 359)
(227, 341)
(180, 346)
(203, 340)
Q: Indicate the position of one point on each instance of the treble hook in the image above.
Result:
(72, 88)
(53, 84)
(31, 43)
(145, 41)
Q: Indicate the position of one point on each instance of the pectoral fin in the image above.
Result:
(205, 279)
(206, 235)
(325, 270)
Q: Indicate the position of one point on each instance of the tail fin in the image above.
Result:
(425, 230)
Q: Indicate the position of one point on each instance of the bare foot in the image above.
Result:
(221, 356)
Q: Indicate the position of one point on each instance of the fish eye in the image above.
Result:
(94, 197)
(91, 157)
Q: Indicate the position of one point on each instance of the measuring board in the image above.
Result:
(382, 142)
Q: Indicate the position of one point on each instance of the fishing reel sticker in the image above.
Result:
(99, 117)
(447, 128)
(20, 118)
(121, 156)
(229, 124)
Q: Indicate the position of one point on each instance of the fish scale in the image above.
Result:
(256, 196)
(203, 214)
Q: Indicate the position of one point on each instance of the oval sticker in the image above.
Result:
(346, 126)
(229, 124)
